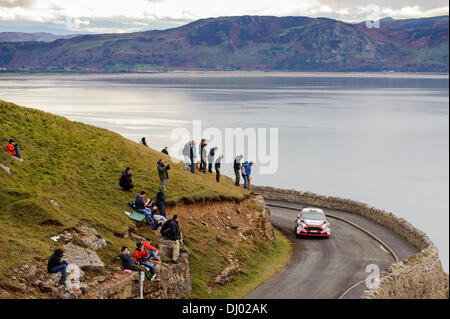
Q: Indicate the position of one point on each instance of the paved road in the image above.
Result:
(325, 268)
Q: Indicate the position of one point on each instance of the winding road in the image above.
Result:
(327, 268)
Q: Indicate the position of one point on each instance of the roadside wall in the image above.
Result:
(420, 276)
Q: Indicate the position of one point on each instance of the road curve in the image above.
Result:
(325, 268)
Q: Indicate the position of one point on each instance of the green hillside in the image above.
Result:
(78, 166)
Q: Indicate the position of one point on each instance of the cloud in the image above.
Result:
(16, 3)
(134, 15)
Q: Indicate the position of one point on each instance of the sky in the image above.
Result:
(110, 16)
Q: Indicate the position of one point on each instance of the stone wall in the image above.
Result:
(420, 276)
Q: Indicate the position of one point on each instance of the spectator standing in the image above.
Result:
(217, 167)
(212, 153)
(237, 169)
(245, 174)
(192, 156)
(186, 154)
(203, 156)
(163, 167)
(171, 231)
(161, 201)
(249, 174)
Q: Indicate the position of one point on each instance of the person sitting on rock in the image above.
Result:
(128, 263)
(13, 149)
(140, 255)
(125, 180)
(152, 252)
(56, 263)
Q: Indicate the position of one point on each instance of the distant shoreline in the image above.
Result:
(181, 73)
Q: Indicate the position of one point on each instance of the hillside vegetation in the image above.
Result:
(246, 43)
(78, 166)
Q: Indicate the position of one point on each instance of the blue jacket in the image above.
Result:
(126, 261)
(139, 202)
(249, 170)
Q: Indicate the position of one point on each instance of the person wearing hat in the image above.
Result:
(244, 173)
(161, 201)
(171, 231)
(12, 148)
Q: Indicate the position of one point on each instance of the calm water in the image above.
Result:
(380, 140)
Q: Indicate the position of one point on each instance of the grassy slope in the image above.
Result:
(78, 166)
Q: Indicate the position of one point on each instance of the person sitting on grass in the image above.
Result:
(56, 263)
(125, 180)
(160, 219)
(13, 149)
(152, 252)
(128, 263)
(165, 150)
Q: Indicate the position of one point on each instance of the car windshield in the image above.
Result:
(313, 216)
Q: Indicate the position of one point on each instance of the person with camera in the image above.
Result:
(57, 263)
(163, 167)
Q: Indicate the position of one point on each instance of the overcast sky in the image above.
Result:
(101, 16)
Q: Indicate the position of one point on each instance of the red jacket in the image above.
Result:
(10, 149)
(138, 255)
(148, 247)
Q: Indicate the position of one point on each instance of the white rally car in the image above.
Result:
(312, 221)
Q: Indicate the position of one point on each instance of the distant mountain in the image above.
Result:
(246, 43)
(38, 36)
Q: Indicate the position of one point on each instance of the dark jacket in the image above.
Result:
(126, 261)
(171, 230)
(139, 202)
(162, 171)
(164, 151)
(54, 261)
(237, 164)
(126, 181)
(160, 197)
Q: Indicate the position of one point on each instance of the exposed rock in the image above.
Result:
(85, 258)
(228, 273)
(90, 237)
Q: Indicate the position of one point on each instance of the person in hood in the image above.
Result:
(56, 263)
(129, 263)
(245, 174)
(237, 169)
(125, 180)
(12, 148)
(163, 167)
(212, 153)
(217, 167)
(171, 231)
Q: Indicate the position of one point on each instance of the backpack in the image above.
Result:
(132, 205)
